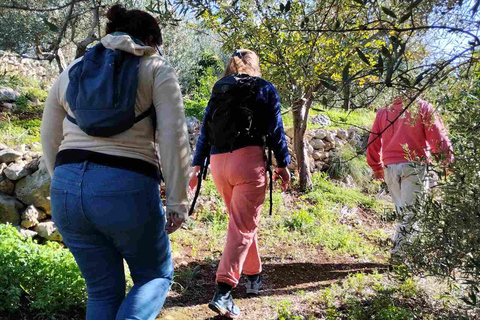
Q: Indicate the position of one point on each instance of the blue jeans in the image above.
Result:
(105, 215)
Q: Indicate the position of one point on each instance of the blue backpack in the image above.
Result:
(102, 91)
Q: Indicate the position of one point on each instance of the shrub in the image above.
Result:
(447, 225)
(47, 274)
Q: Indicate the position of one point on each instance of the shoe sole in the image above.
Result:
(253, 292)
(221, 311)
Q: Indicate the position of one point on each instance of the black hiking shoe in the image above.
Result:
(253, 284)
(222, 303)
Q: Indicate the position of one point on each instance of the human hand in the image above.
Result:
(379, 175)
(284, 175)
(174, 221)
(194, 178)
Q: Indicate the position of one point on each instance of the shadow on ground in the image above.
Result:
(195, 283)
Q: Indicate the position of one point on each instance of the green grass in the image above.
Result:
(377, 297)
(17, 132)
(340, 119)
(47, 274)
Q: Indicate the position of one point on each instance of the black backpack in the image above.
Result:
(234, 116)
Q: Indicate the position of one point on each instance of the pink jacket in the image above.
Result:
(410, 138)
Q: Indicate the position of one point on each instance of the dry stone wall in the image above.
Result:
(25, 182)
(42, 71)
(25, 192)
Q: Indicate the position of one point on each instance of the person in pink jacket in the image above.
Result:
(398, 151)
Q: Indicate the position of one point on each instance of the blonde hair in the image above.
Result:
(243, 61)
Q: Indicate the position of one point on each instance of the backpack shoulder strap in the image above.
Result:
(138, 118)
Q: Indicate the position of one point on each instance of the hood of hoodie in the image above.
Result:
(125, 43)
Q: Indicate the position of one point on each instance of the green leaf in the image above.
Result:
(346, 72)
(389, 12)
(405, 17)
(360, 2)
(288, 6)
(380, 64)
(385, 52)
(414, 5)
(328, 85)
(51, 26)
(337, 25)
(418, 79)
(475, 7)
(405, 80)
(362, 56)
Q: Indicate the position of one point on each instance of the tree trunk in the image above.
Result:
(60, 61)
(300, 111)
(346, 97)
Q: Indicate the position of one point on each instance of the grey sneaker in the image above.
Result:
(253, 287)
(222, 303)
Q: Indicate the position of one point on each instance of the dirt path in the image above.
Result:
(283, 280)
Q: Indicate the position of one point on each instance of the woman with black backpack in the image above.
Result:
(241, 119)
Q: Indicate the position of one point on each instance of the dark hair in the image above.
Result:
(137, 23)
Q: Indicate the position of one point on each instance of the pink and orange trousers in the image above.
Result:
(240, 178)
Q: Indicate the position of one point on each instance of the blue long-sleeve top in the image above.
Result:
(269, 101)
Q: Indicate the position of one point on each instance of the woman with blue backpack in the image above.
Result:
(241, 120)
(99, 145)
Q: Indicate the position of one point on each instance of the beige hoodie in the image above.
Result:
(158, 84)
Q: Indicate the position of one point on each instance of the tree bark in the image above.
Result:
(346, 97)
(300, 111)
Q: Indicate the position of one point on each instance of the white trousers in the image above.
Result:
(406, 181)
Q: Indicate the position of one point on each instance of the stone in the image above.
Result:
(342, 134)
(21, 148)
(322, 120)
(31, 217)
(352, 132)
(329, 146)
(6, 186)
(339, 142)
(7, 94)
(10, 209)
(193, 124)
(319, 165)
(348, 180)
(330, 136)
(6, 105)
(290, 132)
(2, 167)
(35, 189)
(3, 147)
(49, 231)
(310, 149)
(316, 155)
(25, 232)
(317, 144)
(348, 213)
(320, 134)
(323, 155)
(8, 155)
(16, 171)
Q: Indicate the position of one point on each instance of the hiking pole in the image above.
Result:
(201, 173)
(269, 169)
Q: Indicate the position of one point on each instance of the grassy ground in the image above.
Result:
(22, 124)
(324, 252)
(324, 256)
(339, 118)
